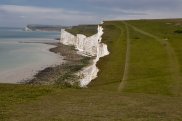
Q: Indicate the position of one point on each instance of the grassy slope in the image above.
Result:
(161, 60)
(87, 30)
(148, 94)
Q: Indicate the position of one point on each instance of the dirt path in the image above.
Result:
(127, 57)
(173, 60)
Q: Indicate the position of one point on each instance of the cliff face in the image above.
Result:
(88, 46)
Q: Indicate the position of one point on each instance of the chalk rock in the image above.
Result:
(67, 38)
(88, 46)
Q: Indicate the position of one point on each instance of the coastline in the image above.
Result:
(87, 46)
(26, 71)
(78, 66)
(65, 73)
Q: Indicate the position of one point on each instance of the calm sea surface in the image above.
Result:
(20, 61)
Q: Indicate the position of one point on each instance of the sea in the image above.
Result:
(20, 61)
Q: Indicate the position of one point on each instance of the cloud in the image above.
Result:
(75, 12)
(22, 15)
(30, 14)
(139, 9)
(138, 4)
(38, 10)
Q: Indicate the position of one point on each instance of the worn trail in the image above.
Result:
(174, 65)
(127, 58)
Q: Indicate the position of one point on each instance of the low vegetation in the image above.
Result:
(139, 81)
(87, 30)
(178, 31)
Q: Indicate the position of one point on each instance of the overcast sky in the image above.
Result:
(73, 12)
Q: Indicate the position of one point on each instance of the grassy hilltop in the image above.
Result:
(87, 30)
(141, 80)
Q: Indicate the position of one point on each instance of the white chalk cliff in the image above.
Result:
(88, 46)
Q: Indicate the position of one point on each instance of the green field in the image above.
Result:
(87, 30)
(141, 80)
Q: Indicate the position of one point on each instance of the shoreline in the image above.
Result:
(79, 66)
(27, 71)
(65, 73)
(60, 73)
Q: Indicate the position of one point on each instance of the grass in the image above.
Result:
(111, 66)
(150, 91)
(87, 30)
(148, 65)
(16, 94)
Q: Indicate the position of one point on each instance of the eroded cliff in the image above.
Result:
(87, 46)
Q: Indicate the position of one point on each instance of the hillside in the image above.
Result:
(36, 27)
(139, 81)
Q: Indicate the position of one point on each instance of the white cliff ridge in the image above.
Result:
(88, 46)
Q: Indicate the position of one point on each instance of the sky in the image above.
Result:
(19, 13)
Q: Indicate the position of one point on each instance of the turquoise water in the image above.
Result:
(28, 58)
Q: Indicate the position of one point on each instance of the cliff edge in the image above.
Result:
(87, 46)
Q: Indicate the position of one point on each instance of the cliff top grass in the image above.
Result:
(87, 30)
(139, 81)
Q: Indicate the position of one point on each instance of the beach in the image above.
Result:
(37, 58)
(20, 60)
(65, 72)
(27, 71)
